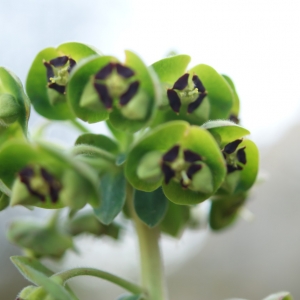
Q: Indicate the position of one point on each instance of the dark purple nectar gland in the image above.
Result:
(180, 165)
(235, 159)
(58, 70)
(187, 92)
(40, 183)
(113, 83)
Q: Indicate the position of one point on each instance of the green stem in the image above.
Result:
(127, 285)
(79, 126)
(153, 280)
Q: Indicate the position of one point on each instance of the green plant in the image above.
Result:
(175, 142)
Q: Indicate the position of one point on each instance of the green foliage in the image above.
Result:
(175, 142)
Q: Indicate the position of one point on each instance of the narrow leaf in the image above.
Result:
(113, 197)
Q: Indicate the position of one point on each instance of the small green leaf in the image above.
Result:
(88, 223)
(98, 140)
(175, 220)
(220, 94)
(23, 263)
(280, 296)
(150, 207)
(225, 131)
(113, 188)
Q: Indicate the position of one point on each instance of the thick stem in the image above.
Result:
(127, 285)
(152, 276)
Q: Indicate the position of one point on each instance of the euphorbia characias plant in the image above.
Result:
(175, 141)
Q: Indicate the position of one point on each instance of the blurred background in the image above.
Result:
(257, 44)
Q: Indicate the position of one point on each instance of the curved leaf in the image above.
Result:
(113, 188)
(150, 207)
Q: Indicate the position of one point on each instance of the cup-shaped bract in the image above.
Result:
(49, 75)
(14, 104)
(241, 156)
(41, 176)
(196, 96)
(184, 159)
(102, 88)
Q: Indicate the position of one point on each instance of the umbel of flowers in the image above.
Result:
(175, 142)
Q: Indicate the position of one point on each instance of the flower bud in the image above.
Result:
(25, 293)
(9, 109)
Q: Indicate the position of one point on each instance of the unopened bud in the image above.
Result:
(9, 109)
(25, 293)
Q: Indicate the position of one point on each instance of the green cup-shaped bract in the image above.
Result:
(241, 176)
(191, 166)
(92, 106)
(48, 102)
(199, 95)
(41, 176)
(14, 104)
